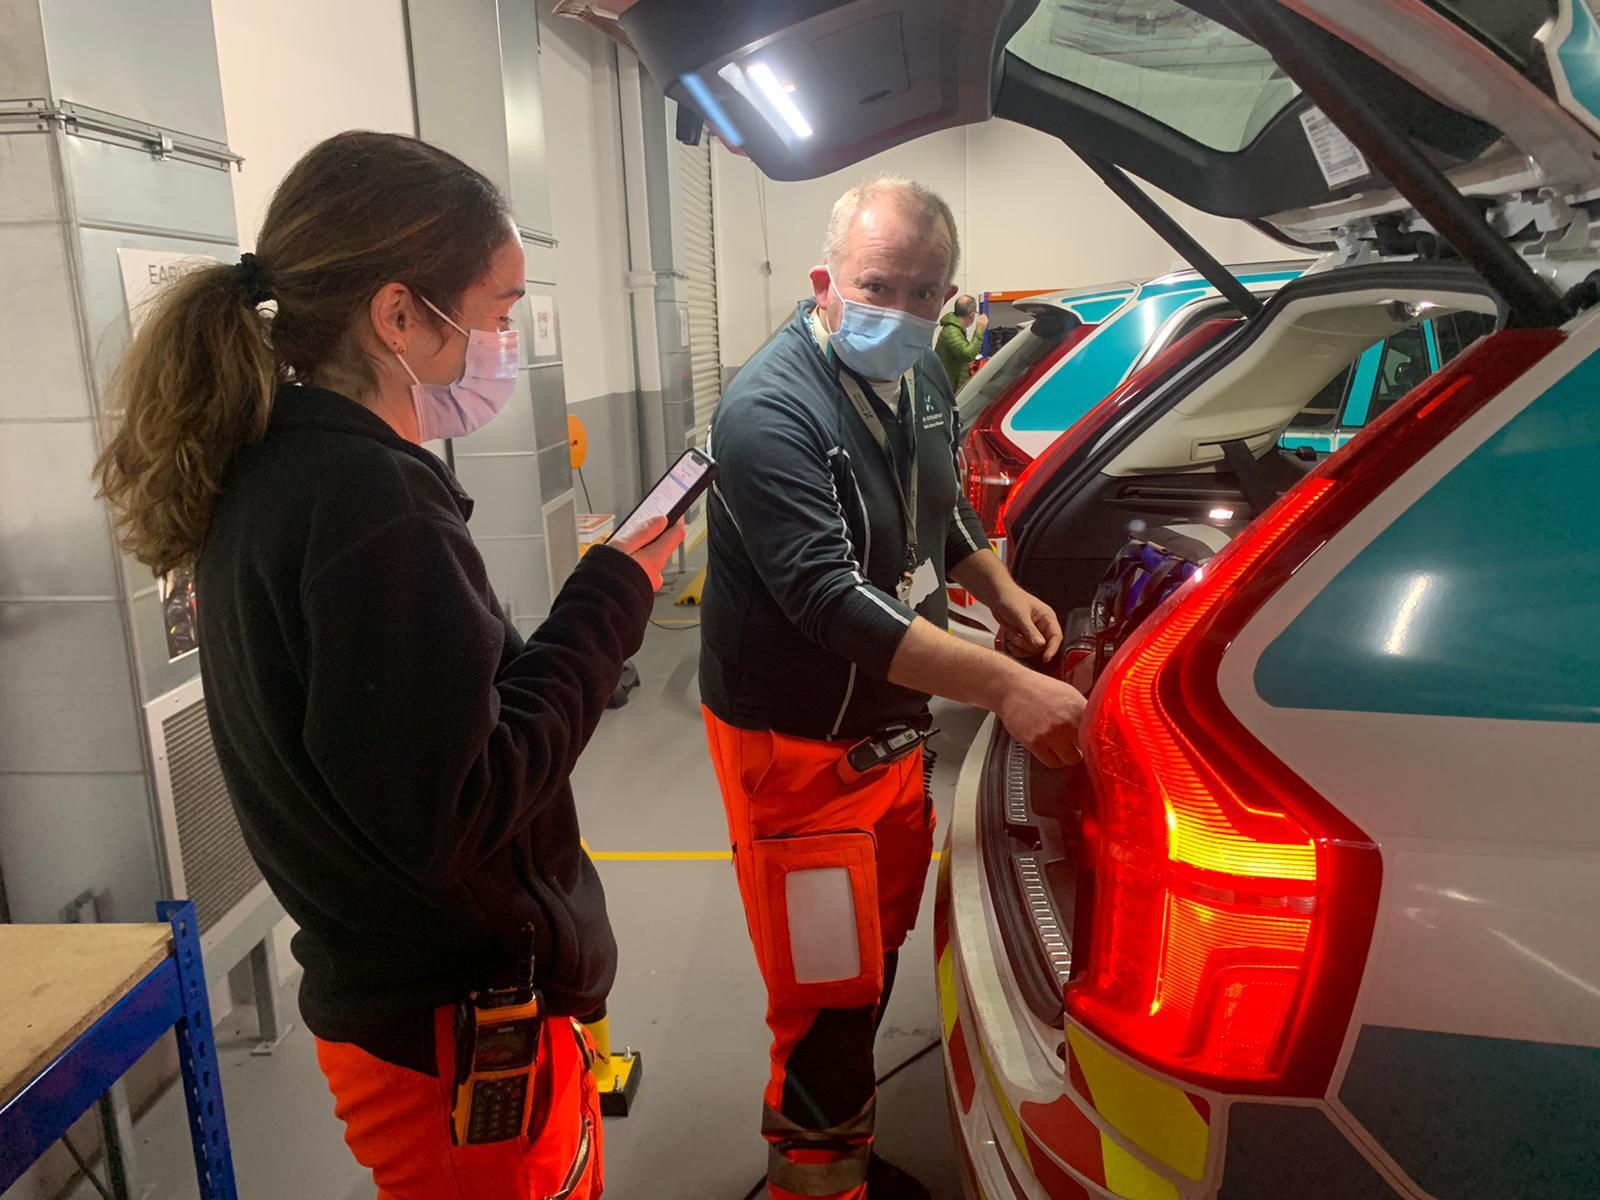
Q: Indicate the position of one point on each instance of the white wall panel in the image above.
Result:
(1041, 219)
(588, 207)
(297, 71)
(1031, 215)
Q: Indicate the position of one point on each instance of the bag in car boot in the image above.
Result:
(1144, 573)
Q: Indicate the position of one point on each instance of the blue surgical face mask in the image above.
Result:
(488, 378)
(879, 343)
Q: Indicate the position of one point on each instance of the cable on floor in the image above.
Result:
(755, 1192)
(675, 624)
(83, 1166)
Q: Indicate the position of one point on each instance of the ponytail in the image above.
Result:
(193, 389)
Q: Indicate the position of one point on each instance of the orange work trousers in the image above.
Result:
(831, 875)
(397, 1124)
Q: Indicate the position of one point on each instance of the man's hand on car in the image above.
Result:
(1029, 624)
(1044, 714)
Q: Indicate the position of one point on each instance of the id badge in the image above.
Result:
(902, 591)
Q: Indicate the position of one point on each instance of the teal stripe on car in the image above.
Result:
(1269, 1144)
(1190, 284)
(1320, 442)
(1469, 1117)
(1430, 335)
(1092, 312)
(1480, 599)
(1094, 371)
(1362, 386)
(1579, 56)
(1074, 298)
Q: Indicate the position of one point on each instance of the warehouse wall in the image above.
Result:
(297, 71)
(588, 207)
(1050, 225)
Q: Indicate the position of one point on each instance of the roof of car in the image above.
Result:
(1095, 301)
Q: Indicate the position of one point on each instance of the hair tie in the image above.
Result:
(253, 279)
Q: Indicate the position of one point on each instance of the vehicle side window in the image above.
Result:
(1322, 412)
(1404, 365)
(1458, 331)
(1384, 372)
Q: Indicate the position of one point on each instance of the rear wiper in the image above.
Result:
(1153, 215)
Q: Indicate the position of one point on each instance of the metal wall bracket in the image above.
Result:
(538, 237)
(82, 121)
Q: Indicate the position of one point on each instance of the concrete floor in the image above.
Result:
(687, 995)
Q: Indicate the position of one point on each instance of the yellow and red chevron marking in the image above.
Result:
(1171, 1125)
(955, 1036)
(1164, 1121)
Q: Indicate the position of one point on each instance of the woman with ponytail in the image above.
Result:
(398, 755)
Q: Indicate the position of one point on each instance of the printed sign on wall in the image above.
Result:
(146, 273)
(543, 311)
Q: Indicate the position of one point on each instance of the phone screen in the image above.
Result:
(673, 492)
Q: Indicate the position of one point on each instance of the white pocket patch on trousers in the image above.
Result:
(823, 939)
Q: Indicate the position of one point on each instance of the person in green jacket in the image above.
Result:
(954, 348)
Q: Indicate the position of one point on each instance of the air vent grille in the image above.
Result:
(217, 867)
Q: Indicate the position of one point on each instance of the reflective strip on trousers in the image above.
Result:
(849, 1143)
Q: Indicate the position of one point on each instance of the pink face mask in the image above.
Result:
(488, 378)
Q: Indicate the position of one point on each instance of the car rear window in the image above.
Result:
(1009, 364)
(1162, 59)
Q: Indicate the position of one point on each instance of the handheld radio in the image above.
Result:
(879, 750)
(498, 1034)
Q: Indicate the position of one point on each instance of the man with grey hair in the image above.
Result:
(835, 521)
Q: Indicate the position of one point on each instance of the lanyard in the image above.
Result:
(905, 494)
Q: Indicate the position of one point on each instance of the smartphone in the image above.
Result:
(673, 493)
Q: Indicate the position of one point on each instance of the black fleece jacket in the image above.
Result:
(807, 543)
(397, 754)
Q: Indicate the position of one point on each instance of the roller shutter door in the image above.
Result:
(700, 264)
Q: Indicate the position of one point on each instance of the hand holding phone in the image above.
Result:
(672, 494)
(651, 545)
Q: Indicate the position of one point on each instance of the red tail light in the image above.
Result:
(1089, 426)
(991, 469)
(991, 460)
(1232, 906)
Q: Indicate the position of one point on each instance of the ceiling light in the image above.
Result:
(1220, 514)
(761, 75)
